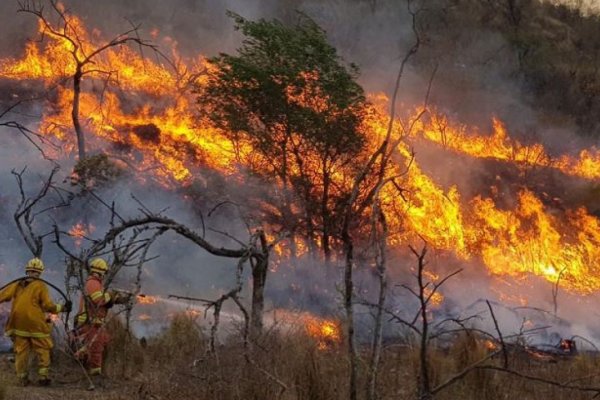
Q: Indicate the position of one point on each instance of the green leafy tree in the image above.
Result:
(289, 96)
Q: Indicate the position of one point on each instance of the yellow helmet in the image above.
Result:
(99, 266)
(35, 264)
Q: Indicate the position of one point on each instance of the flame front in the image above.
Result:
(144, 116)
(500, 146)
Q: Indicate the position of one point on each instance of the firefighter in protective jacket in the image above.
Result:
(90, 320)
(27, 325)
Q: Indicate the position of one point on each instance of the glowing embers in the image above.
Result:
(80, 231)
(327, 333)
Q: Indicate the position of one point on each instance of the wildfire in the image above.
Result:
(145, 299)
(80, 231)
(500, 146)
(154, 128)
(326, 332)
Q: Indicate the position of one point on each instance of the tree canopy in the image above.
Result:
(290, 96)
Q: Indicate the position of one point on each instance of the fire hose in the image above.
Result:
(125, 295)
(37, 279)
(47, 283)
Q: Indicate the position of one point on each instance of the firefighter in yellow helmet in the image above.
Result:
(27, 324)
(90, 320)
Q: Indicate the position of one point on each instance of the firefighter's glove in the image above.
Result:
(68, 306)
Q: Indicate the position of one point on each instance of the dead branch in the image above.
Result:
(82, 56)
(503, 348)
(555, 288)
(31, 137)
(169, 225)
(143, 259)
(125, 241)
(24, 215)
(393, 316)
(463, 373)
(350, 209)
(424, 384)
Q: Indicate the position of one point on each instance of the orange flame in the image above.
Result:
(154, 128)
(80, 230)
(327, 333)
(145, 299)
(500, 146)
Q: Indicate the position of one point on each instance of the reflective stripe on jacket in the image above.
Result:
(98, 300)
(30, 303)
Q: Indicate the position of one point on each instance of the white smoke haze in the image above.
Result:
(473, 84)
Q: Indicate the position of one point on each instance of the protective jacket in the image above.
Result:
(30, 303)
(94, 303)
(93, 308)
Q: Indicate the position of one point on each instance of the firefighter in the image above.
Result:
(93, 309)
(27, 325)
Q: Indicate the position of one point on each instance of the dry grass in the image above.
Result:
(175, 366)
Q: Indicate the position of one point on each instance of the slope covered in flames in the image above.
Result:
(141, 110)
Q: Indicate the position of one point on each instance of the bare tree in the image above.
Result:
(358, 201)
(380, 233)
(83, 53)
(31, 207)
(427, 331)
(125, 240)
(35, 138)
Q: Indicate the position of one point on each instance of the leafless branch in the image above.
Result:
(24, 215)
(463, 373)
(83, 53)
(503, 348)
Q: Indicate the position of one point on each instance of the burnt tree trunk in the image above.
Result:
(378, 329)
(349, 308)
(75, 112)
(310, 226)
(325, 240)
(308, 204)
(424, 383)
(260, 268)
(259, 278)
(287, 212)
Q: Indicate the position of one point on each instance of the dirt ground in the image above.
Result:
(67, 384)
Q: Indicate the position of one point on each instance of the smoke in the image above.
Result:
(478, 72)
(16, 153)
(477, 75)
(474, 81)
